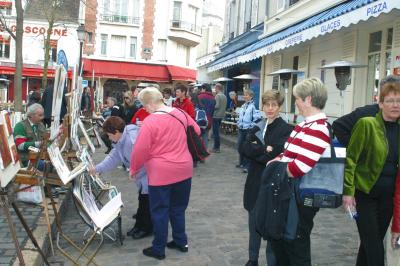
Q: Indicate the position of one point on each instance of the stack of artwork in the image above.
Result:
(9, 158)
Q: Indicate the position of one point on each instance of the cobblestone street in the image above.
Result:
(216, 224)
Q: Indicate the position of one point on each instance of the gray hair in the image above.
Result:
(33, 108)
(249, 92)
(232, 93)
(312, 87)
(150, 95)
(389, 79)
(113, 100)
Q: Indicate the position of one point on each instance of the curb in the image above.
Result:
(31, 256)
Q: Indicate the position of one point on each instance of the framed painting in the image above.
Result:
(4, 148)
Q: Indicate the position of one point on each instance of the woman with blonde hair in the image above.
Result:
(169, 168)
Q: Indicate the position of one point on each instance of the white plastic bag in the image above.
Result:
(30, 194)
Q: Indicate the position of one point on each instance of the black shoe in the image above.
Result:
(134, 216)
(252, 263)
(132, 231)
(239, 166)
(107, 151)
(216, 150)
(140, 234)
(245, 170)
(173, 245)
(150, 253)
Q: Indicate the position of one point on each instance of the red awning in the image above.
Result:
(136, 71)
(181, 73)
(30, 71)
(125, 70)
(5, 4)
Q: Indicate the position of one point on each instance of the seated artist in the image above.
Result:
(124, 137)
(29, 132)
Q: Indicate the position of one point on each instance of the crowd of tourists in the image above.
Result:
(139, 133)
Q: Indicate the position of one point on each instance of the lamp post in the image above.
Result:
(343, 76)
(81, 37)
(285, 74)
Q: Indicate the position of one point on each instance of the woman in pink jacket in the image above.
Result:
(162, 148)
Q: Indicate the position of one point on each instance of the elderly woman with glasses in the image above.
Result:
(304, 147)
(372, 164)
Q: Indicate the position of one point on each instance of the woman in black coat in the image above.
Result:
(263, 143)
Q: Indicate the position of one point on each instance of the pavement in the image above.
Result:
(215, 219)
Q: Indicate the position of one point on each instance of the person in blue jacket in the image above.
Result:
(124, 138)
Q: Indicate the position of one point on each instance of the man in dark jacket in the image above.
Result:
(343, 126)
(207, 103)
(47, 103)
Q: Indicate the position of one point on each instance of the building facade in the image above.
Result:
(305, 35)
(135, 42)
(63, 37)
(212, 35)
(244, 23)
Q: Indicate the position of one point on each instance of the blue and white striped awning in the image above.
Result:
(335, 18)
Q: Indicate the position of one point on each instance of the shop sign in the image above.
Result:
(39, 30)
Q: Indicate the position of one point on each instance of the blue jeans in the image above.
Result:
(168, 203)
(215, 128)
(241, 138)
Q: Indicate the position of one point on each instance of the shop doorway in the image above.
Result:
(115, 88)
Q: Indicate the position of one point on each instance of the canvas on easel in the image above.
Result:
(9, 164)
(75, 113)
(58, 93)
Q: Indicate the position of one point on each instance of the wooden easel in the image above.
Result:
(24, 177)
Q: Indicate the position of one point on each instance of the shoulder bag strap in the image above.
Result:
(174, 117)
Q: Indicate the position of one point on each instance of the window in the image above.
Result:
(183, 54)
(106, 7)
(6, 10)
(162, 50)
(104, 39)
(232, 20)
(177, 11)
(379, 60)
(118, 46)
(90, 37)
(247, 15)
(193, 16)
(4, 48)
(132, 47)
(53, 50)
(136, 9)
(280, 5)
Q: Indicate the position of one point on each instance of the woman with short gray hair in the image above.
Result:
(304, 147)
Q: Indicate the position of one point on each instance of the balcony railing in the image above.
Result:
(120, 19)
(179, 24)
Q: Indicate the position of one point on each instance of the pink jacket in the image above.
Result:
(162, 148)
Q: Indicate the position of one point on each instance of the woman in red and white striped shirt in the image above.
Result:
(306, 144)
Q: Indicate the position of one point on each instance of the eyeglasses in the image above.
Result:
(392, 101)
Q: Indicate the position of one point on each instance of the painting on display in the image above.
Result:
(7, 122)
(58, 93)
(14, 154)
(9, 157)
(75, 112)
(4, 148)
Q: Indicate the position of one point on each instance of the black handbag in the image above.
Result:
(322, 186)
(195, 143)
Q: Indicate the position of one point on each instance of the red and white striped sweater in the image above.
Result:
(306, 144)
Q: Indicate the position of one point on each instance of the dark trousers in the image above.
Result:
(374, 213)
(255, 242)
(106, 140)
(241, 138)
(297, 252)
(215, 129)
(47, 122)
(169, 202)
(143, 217)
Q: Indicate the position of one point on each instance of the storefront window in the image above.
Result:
(379, 60)
(4, 49)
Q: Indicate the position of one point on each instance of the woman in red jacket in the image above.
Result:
(396, 213)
